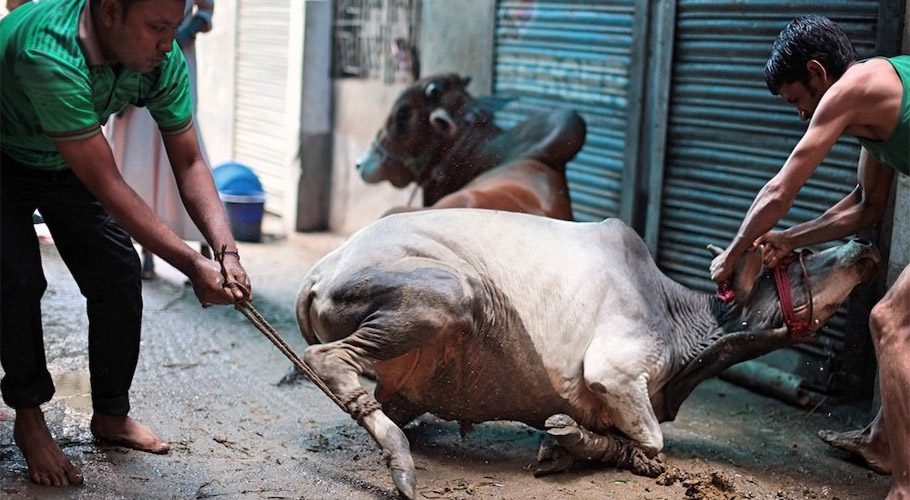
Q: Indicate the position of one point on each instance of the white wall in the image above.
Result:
(361, 107)
(216, 55)
(458, 36)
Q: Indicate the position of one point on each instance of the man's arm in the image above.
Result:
(863, 206)
(197, 190)
(93, 163)
(776, 197)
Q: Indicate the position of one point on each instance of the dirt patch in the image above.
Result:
(713, 485)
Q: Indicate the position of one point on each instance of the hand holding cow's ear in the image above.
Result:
(721, 268)
(742, 274)
(775, 247)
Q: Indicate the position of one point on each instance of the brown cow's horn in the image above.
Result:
(441, 120)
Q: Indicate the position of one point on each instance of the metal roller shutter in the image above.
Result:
(572, 54)
(260, 134)
(728, 135)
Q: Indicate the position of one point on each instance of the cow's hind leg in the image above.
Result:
(338, 366)
(406, 310)
(582, 444)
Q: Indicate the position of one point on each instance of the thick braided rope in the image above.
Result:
(246, 307)
(367, 405)
(260, 323)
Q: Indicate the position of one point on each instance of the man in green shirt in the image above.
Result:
(67, 66)
(813, 66)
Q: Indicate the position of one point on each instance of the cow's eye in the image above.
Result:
(433, 91)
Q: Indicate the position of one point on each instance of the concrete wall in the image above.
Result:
(361, 107)
(454, 37)
(458, 36)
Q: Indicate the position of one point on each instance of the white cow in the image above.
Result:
(478, 315)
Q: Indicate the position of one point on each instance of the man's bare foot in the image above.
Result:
(123, 431)
(47, 465)
(861, 444)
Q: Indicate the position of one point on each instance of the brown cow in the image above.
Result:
(438, 136)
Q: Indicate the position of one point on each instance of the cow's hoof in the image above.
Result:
(552, 458)
(405, 482)
(640, 464)
(564, 429)
(404, 474)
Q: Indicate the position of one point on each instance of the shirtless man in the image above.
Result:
(814, 67)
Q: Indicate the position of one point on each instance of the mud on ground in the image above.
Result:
(207, 382)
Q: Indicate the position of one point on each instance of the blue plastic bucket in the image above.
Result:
(236, 179)
(244, 214)
(243, 199)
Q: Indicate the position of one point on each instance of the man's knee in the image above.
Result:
(889, 321)
(23, 286)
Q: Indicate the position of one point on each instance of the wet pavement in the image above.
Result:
(206, 381)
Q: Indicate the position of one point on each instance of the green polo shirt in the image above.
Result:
(52, 92)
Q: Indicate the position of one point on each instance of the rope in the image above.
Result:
(247, 309)
(270, 333)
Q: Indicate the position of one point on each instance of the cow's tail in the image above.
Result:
(305, 320)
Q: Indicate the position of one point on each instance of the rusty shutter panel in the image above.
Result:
(572, 54)
(728, 135)
(260, 132)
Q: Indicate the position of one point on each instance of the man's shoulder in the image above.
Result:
(46, 32)
(869, 79)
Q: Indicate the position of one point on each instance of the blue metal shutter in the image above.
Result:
(728, 135)
(572, 54)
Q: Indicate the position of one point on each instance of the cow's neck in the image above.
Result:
(454, 167)
(697, 321)
(709, 339)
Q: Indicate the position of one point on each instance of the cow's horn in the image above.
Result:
(715, 250)
(441, 120)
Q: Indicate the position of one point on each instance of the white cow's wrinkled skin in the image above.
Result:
(478, 315)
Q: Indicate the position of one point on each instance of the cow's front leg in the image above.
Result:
(615, 365)
(582, 444)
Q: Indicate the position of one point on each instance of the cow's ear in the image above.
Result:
(748, 271)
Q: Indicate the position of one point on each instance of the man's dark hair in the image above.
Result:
(125, 3)
(806, 38)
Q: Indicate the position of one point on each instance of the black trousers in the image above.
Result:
(100, 256)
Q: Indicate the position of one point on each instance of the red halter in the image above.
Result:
(781, 280)
(798, 328)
